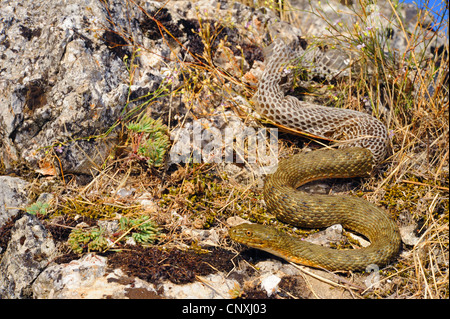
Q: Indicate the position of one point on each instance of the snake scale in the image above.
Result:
(362, 141)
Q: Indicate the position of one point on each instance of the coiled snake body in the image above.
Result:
(362, 144)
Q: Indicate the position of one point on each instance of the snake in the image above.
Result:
(361, 145)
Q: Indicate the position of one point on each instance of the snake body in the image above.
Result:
(362, 145)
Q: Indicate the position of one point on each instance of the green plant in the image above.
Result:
(37, 208)
(142, 229)
(149, 139)
(90, 239)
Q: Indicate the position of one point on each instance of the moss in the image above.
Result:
(197, 249)
(407, 195)
(207, 197)
(202, 195)
(98, 208)
(178, 266)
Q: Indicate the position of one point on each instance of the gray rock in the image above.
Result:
(68, 83)
(80, 278)
(29, 251)
(213, 286)
(12, 197)
(305, 15)
(331, 234)
(89, 278)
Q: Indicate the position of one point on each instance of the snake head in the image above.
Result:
(254, 235)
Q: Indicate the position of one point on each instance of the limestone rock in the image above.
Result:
(68, 83)
(29, 251)
(303, 14)
(71, 83)
(12, 197)
(213, 286)
(88, 278)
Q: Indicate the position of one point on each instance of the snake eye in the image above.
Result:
(249, 233)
